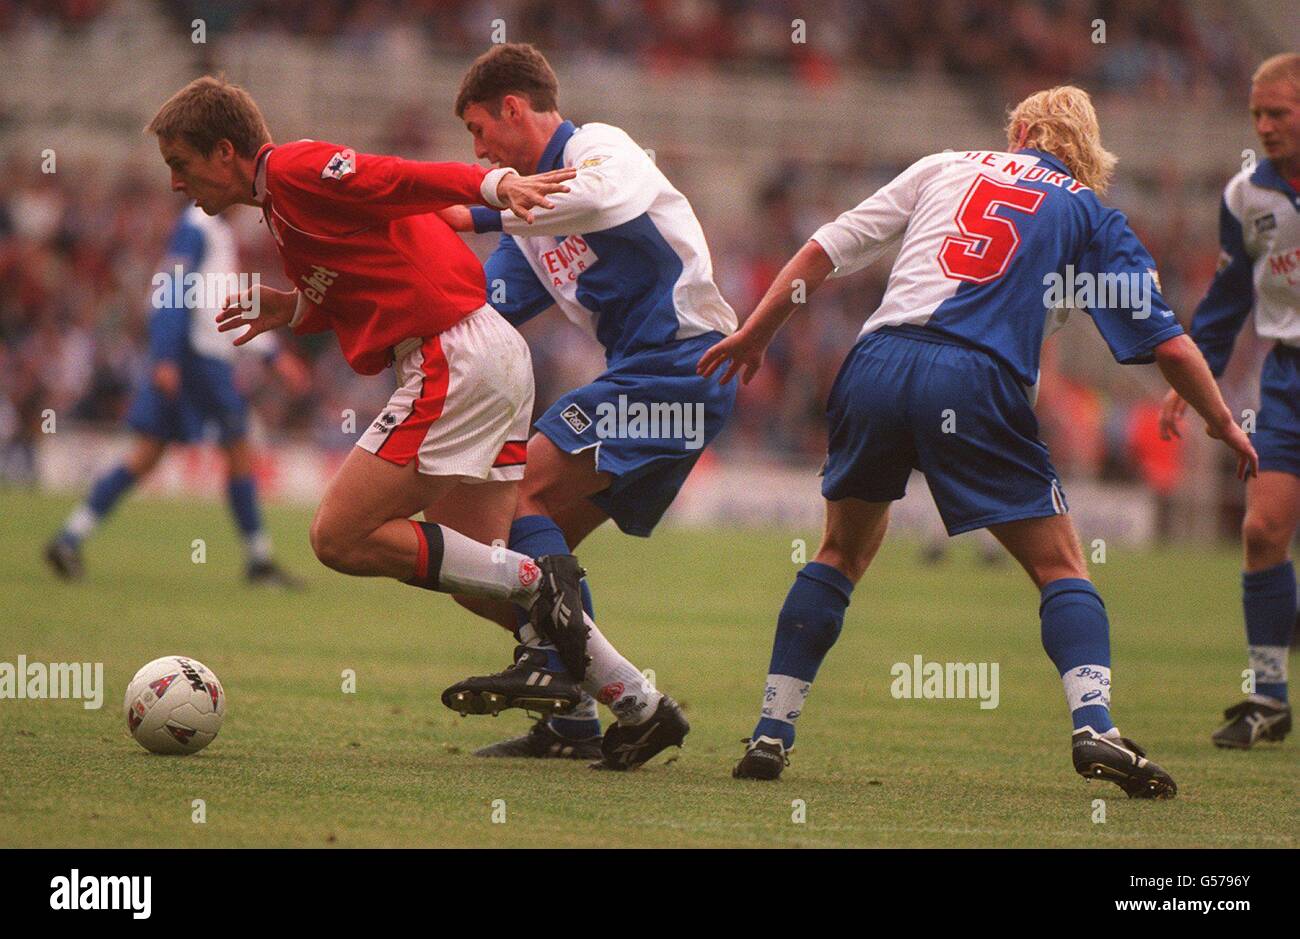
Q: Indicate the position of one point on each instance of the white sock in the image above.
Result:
(477, 570)
(617, 683)
(784, 697)
(1268, 663)
(257, 547)
(1087, 685)
(81, 522)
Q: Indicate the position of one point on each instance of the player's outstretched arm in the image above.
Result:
(259, 308)
(1172, 409)
(457, 217)
(522, 194)
(1186, 371)
(743, 350)
(519, 194)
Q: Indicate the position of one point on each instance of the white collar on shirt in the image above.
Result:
(259, 175)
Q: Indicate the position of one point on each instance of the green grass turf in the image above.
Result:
(299, 763)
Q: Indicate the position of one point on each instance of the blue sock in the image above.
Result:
(241, 494)
(535, 535)
(106, 492)
(1269, 600)
(807, 627)
(1076, 635)
(109, 488)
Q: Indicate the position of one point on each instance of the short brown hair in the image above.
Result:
(510, 68)
(210, 109)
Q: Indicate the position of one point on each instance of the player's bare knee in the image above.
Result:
(328, 544)
(540, 498)
(142, 460)
(1064, 561)
(1265, 539)
(851, 561)
(1047, 573)
(1054, 561)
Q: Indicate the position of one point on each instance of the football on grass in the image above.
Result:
(174, 705)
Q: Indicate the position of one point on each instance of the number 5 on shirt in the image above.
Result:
(987, 241)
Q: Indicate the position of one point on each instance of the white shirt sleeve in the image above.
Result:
(614, 185)
(491, 181)
(863, 233)
(300, 307)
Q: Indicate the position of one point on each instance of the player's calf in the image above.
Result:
(806, 628)
(1268, 599)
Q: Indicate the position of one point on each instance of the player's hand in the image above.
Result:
(259, 308)
(167, 378)
(742, 351)
(522, 194)
(1171, 413)
(1239, 442)
(457, 217)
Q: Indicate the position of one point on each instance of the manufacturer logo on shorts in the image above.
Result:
(576, 418)
(385, 421)
(610, 693)
(528, 573)
(1265, 223)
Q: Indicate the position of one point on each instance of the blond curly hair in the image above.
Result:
(1284, 67)
(1062, 121)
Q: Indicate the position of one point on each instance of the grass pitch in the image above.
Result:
(300, 763)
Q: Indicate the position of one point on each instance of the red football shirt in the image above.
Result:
(357, 240)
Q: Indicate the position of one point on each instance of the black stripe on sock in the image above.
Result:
(433, 537)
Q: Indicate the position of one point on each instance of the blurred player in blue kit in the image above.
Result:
(189, 389)
(1259, 271)
(995, 248)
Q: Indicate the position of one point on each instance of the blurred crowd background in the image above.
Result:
(1170, 48)
(78, 248)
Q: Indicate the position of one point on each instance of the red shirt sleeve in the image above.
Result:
(370, 186)
(313, 321)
